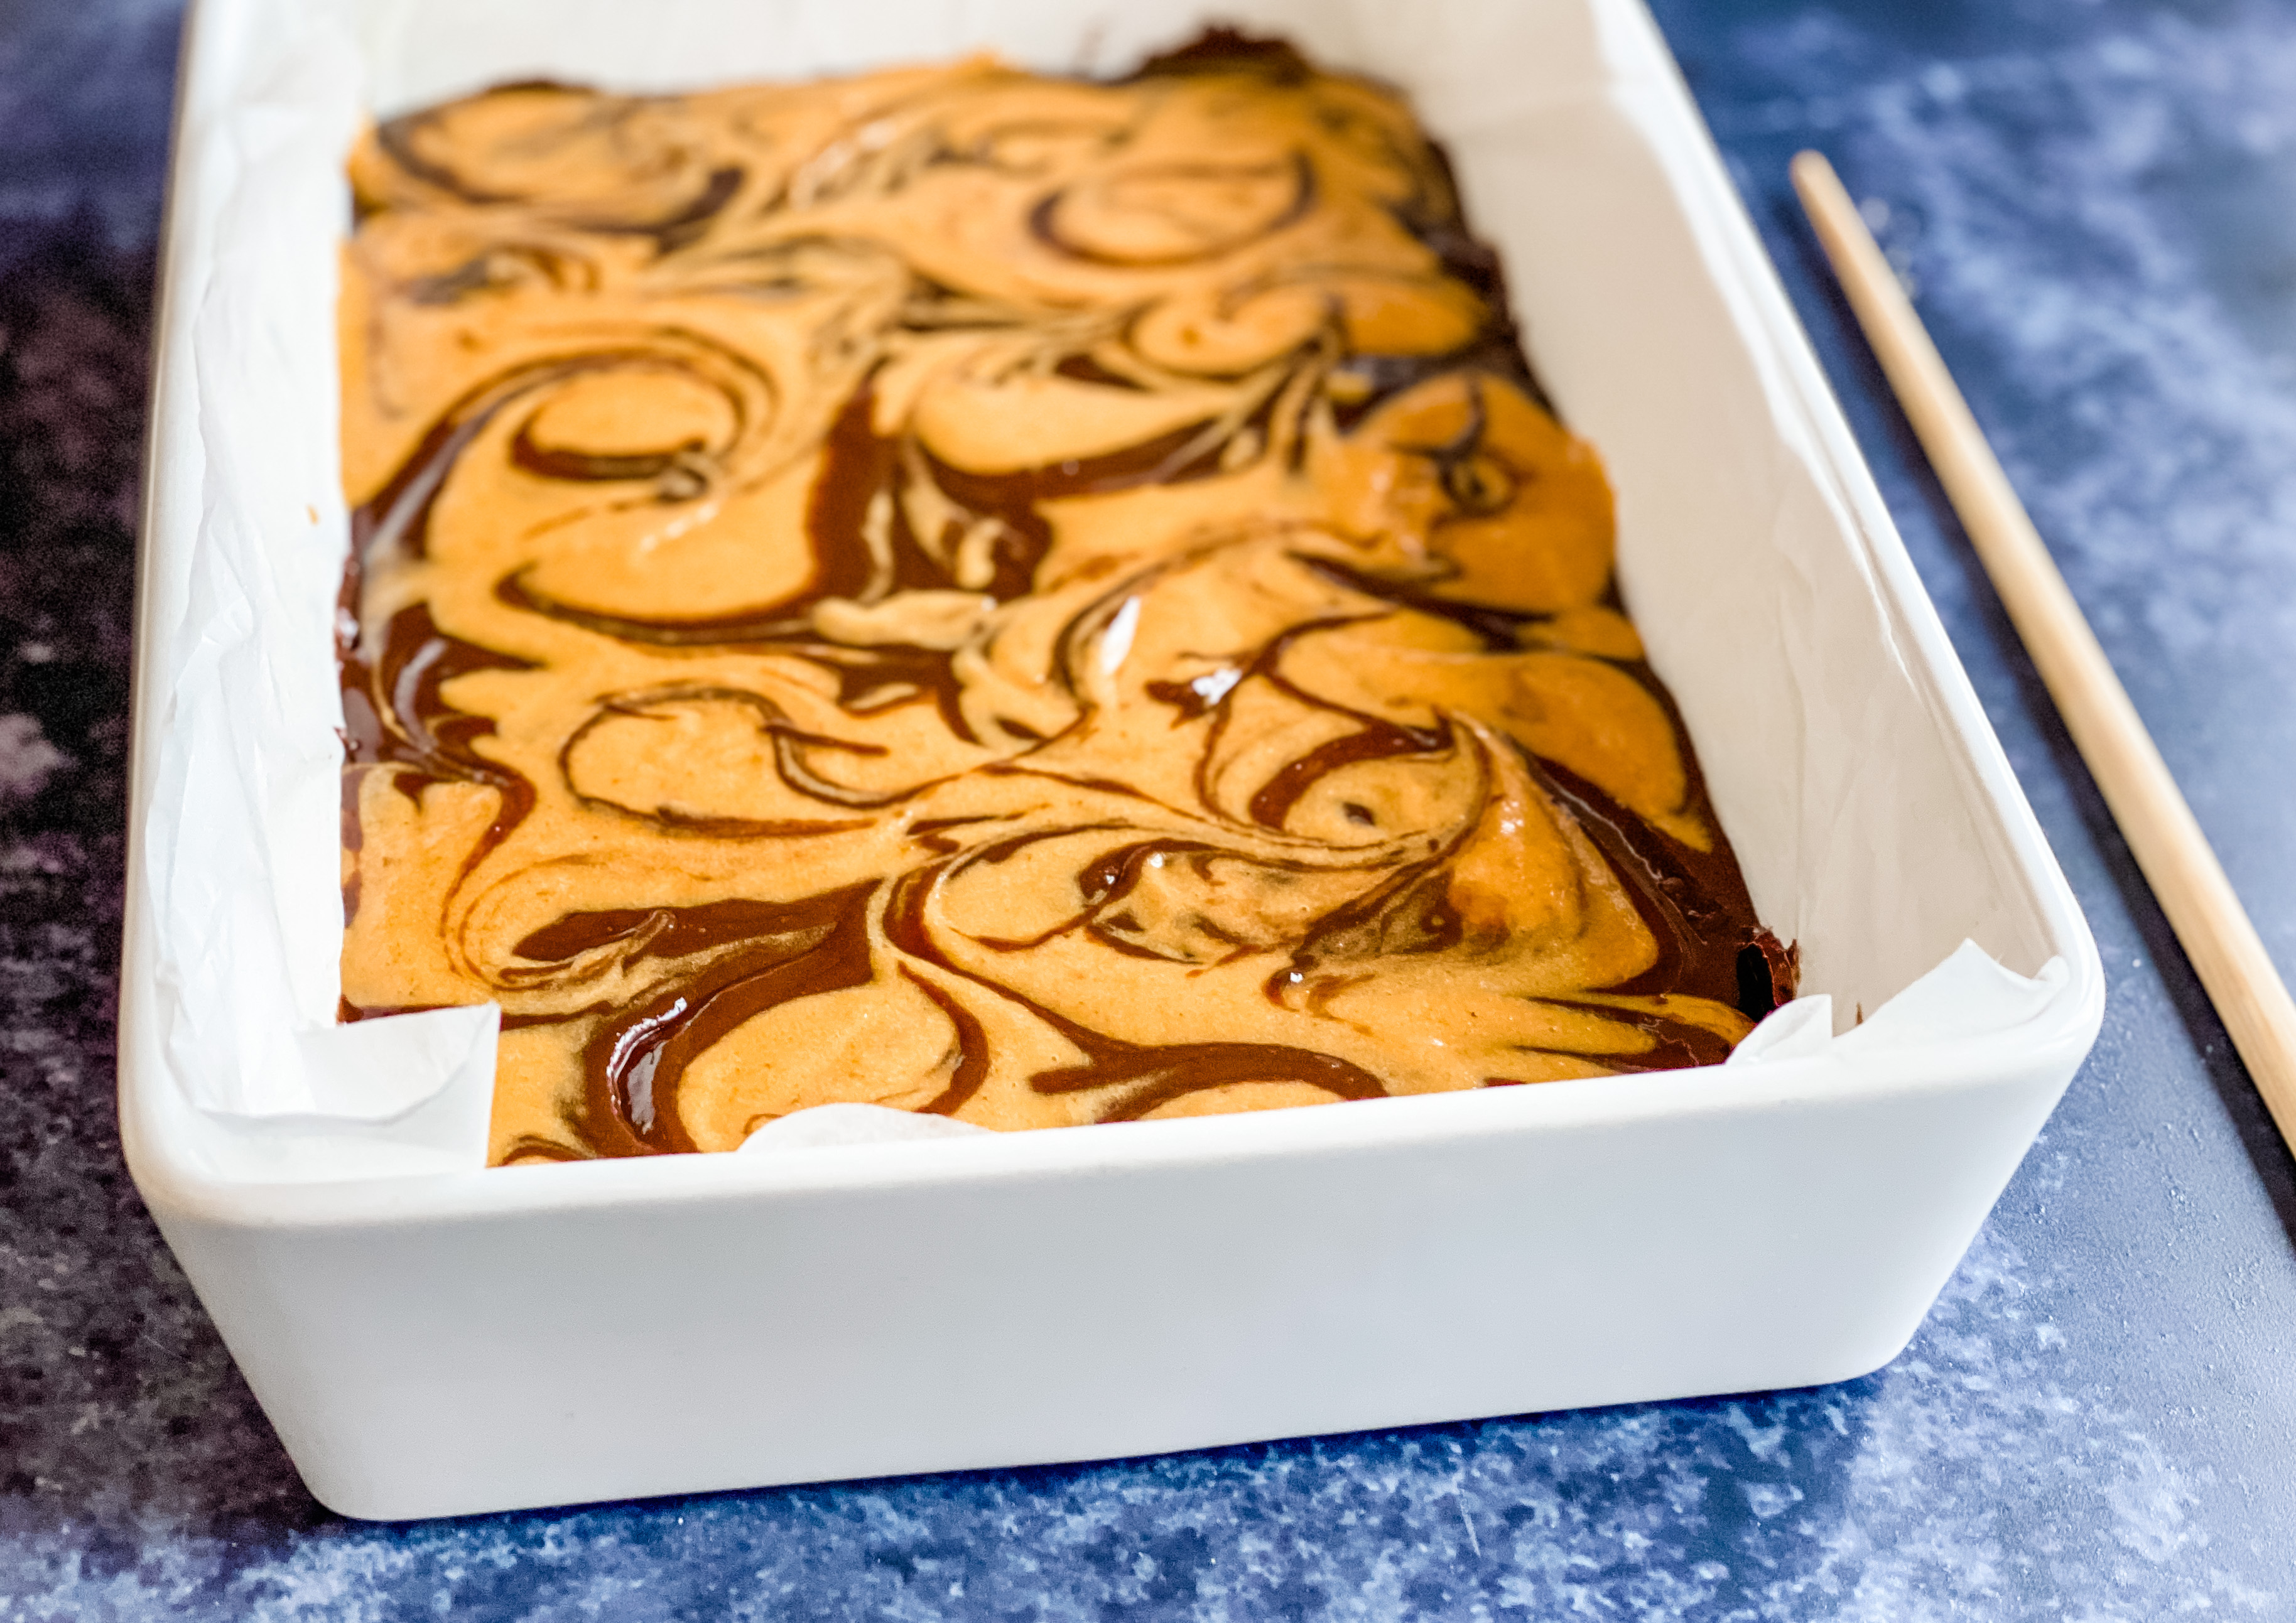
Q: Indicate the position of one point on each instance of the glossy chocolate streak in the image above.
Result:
(1378, 741)
(637, 1060)
(394, 715)
(1037, 601)
(1147, 1077)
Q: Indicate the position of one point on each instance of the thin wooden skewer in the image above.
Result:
(2183, 871)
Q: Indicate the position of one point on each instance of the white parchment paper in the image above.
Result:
(1853, 806)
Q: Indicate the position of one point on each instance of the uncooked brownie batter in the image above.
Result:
(1040, 601)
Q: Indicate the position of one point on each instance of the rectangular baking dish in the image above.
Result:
(452, 1341)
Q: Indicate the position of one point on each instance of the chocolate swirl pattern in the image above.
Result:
(1040, 601)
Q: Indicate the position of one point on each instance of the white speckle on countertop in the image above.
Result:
(27, 759)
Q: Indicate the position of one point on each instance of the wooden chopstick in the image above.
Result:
(2184, 872)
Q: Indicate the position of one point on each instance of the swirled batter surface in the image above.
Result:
(1041, 601)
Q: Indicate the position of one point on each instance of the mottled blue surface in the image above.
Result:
(2097, 203)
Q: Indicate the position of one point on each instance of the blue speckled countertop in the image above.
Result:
(2096, 200)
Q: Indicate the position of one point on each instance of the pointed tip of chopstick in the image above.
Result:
(1810, 165)
(1865, 276)
(1823, 195)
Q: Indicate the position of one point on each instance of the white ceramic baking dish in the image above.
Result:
(454, 1341)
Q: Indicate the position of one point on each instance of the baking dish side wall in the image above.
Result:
(435, 1366)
